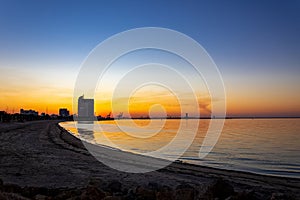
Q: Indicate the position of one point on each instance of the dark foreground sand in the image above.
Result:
(40, 160)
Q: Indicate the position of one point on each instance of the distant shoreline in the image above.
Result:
(171, 118)
(215, 118)
(16, 117)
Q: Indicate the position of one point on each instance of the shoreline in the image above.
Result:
(255, 171)
(180, 162)
(43, 154)
(185, 165)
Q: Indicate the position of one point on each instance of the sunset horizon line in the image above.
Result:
(169, 116)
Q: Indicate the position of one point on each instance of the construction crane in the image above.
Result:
(108, 116)
(119, 116)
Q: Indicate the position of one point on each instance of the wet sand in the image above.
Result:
(43, 155)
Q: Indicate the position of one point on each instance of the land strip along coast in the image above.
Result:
(41, 160)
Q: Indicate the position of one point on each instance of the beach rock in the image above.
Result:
(143, 193)
(41, 197)
(114, 186)
(68, 194)
(112, 198)
(96, 182)
(2, 195)
(221, 189)
(129, 195)
(11, 196)
(246, 195)
(92, 193)
(11, 188)
(184, 191)
(281, 196)
(165, 193)
(33, 191)
(153, 186)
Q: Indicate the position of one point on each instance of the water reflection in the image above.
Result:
(268, 146)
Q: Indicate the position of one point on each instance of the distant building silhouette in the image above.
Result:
(29, 112)
(3, 115)
(85, 109)
(54, 116)
(63, 112)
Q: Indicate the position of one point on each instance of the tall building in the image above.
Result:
(85, 108)
(63, 112)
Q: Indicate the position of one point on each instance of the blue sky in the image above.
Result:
(253, 43)
(253, 31)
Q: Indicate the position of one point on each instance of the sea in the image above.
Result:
(261, 146)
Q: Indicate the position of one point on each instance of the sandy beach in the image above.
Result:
(40, 160)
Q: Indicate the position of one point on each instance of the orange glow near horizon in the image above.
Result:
(20, 90)
(43, 104)
(50, 102)
(262, 103)
(237, 105)
(153, 101)
(137, 109)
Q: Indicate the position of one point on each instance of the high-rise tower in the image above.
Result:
(85, 108)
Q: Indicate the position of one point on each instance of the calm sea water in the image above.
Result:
(264, 146)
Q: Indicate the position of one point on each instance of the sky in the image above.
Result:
(255, 44)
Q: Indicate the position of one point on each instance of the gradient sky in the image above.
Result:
(255, 44)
